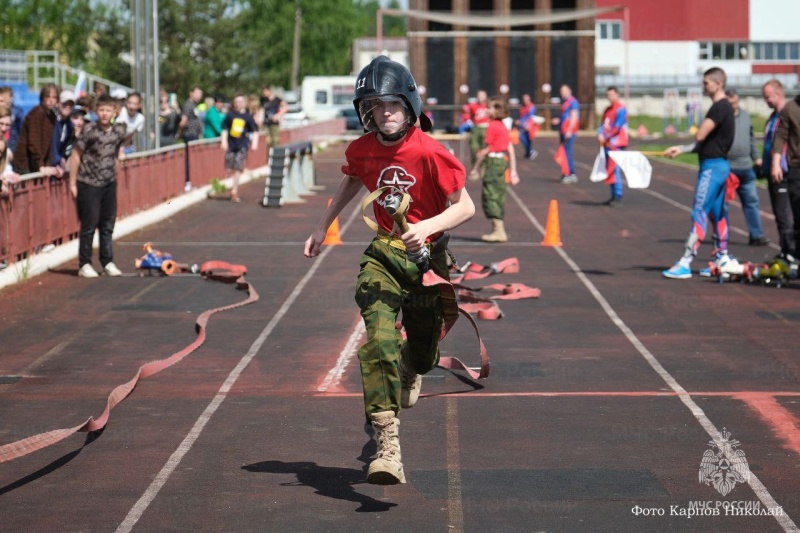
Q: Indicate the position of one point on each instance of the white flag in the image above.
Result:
(635, 166)
(599, 168)
(80, 85)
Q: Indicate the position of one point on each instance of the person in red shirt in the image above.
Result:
(613, 135)
(497, 155)
(479, 115)
(395, 158)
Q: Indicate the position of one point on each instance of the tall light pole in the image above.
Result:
(144, 70)
(298, 17)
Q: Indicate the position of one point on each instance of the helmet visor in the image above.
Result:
(369, 107)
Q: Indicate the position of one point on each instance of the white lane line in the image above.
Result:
(761, 491)
(161, 478)
(350, 349)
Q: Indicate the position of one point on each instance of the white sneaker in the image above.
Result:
(187, 187)
(87, 271)
(112, 270)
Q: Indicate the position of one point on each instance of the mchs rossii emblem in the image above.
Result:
(726, 466)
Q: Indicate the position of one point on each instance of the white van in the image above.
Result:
(322, 97)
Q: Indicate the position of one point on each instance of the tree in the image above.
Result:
(46, 25)
(221, 45)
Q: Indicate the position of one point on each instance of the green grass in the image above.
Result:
(656, 124)
(688, 159)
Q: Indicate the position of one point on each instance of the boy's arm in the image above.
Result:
(347, 190)
(460, 210)
(512, 164)
(74, 165)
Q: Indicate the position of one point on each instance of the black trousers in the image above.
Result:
(97, 209)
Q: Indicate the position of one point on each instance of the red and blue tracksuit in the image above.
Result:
(569, 126)
(528, 127)
(614, 129)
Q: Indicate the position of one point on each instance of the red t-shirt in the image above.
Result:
(479, 113)
(419, 166)
(497, 136)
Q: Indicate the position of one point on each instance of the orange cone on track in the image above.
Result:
(552, 233)
(332, 237)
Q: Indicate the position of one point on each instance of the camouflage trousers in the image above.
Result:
(389, 283)
(493, 193)
(477, 138)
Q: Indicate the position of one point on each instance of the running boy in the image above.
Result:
(397, 155)
(93, 182)
(714, 140)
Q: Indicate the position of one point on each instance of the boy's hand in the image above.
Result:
(313, 243)
(414, 238)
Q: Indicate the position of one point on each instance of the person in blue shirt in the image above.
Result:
(568, 122)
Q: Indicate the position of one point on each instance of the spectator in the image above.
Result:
(168, 119)
(214, 118)
(239, 133)
(6, 122)
(78, 118)
(613, 135)
(479, 117)
(775, 98)
(63, 132)
(119, 95)
(191, 126)
(714, 138)
(7, 100)
(93, 182)
(464, 120)
(787, 139)
(7, 175)
(35, 141)
(99, 88)
(741, 157)
(527, 126)
(86, 102)
(274, 109)
(497, 155)
(568, 122)
(255, 110)
(131, 116)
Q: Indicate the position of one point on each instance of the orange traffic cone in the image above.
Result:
(552, 233)
(332, 237)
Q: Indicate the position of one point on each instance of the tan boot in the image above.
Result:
(411, 383)
(498, 233)
(387, 468)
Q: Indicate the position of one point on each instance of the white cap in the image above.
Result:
(119, 93)
(66, 96)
